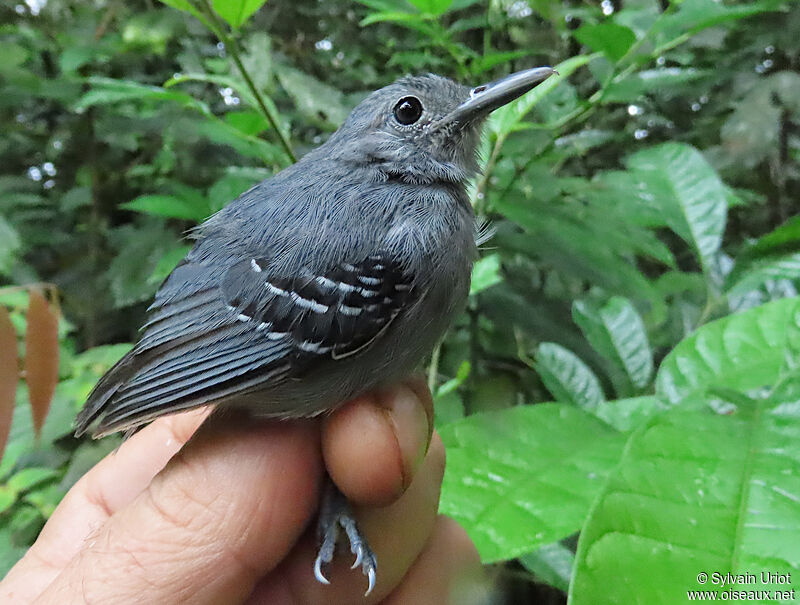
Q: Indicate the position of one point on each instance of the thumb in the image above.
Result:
(224, 512)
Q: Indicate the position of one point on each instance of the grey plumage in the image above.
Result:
(338, 274)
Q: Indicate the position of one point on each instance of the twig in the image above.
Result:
(232, 46)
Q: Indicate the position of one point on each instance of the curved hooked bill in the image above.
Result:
(486, 98)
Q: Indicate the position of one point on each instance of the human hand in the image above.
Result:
(227, 517)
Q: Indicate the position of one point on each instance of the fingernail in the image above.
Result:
(411, 428)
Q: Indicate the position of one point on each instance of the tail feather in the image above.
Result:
(103, 391)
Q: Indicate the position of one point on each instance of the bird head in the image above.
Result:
(424, 129)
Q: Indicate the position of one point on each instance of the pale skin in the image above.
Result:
(227, 516)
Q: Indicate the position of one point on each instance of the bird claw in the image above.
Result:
(359, 557)
(318, 571)
(371, 577)
(336, 515)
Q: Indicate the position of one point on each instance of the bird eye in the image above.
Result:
(408, 110)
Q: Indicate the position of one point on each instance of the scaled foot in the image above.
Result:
(336, 514)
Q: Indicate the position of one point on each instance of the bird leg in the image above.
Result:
(335, 513)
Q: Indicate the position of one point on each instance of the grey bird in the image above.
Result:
(335, 276)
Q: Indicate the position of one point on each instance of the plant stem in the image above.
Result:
(232, 46)
(433, 368)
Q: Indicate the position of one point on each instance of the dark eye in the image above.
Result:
(408, 110)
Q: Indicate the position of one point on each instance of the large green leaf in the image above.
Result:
(237, 12)
(744, 351)
(696, 493)
(567, 377)
(525, 476)
(617, 332)
(693, 196)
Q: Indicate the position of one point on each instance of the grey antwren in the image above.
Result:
(335, 276)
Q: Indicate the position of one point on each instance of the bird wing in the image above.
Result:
(247, 330)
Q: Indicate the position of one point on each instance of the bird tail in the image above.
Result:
(102, 393)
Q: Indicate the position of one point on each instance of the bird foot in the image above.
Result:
(335, 515)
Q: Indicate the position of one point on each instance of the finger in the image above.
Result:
(223, 512)
(374, 445)
(448, 571)
(397, 534)
(111, 484)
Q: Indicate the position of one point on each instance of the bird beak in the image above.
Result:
(486, 98)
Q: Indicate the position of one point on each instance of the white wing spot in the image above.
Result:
(243, 317)
(255, 266)
(324, 281)
(264, 325)
(313, 347)
(348, 310)
(308, 304)
(275, 289)
(370, 281)
(276, 335)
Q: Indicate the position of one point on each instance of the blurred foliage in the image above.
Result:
(638, 200)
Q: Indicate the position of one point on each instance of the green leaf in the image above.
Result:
(758, 273)
(744, 351)
(9, 246)
(27, 478)
(8, 497)
(319, 102)
(228, 188)
(551, 564)
(237, 12)
(627, 414)
(611, 39)
(248, 122)
(485, 274)
(169, 206)
(693, 198)
(167, 264)
(772, 257)
(503, 120)
(433, 7)
(525, 477)
(106, 91)
(784, 238)
(223, 133)
(695, 492)
(696, 15)
(138, 251)
(617, 332)
(567, 377)
(664, 80)
(220, 80)
(186, 6)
